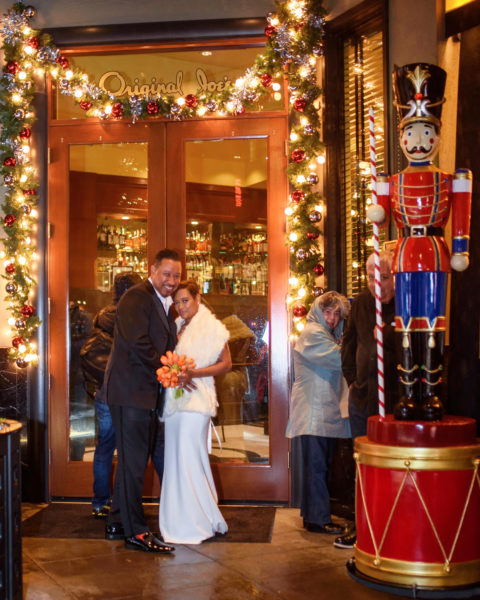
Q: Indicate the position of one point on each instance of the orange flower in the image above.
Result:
(173, 364)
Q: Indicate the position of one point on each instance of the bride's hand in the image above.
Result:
(185, 381)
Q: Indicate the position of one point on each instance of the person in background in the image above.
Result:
(94, 356)
(188, 503)
(316, 415)
(144, 331)
(359, 356)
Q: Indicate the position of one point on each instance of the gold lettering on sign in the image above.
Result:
(116, 84)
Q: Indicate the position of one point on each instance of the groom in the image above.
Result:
(144, 331)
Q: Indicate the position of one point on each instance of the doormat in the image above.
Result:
(247, 524)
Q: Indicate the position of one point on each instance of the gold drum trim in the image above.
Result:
(415, 573)
(446, 458)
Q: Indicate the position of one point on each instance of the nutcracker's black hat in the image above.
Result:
(418, 90)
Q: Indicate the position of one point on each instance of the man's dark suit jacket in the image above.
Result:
(143, 333)
(359, 354)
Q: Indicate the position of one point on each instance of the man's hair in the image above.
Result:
(386, 257)
(168, 254)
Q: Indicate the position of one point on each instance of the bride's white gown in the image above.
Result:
(188, 504)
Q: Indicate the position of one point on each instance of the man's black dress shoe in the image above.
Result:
(149, 543)
(332, 528)
(114, 531)
(346, 541)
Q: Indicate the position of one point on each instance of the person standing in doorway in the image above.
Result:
(144, 331)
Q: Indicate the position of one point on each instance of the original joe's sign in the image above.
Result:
(117, 84)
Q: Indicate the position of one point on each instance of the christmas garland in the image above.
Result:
(294, 41)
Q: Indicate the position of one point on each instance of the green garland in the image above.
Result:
(294, 41)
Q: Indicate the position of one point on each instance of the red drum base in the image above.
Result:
(418, 505)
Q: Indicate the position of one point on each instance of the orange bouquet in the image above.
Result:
(173, 364)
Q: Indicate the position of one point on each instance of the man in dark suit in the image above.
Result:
(144, 331)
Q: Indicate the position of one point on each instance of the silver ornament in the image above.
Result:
(20, 324)
(317, 291)
(211, 106)
(21, 362)
(29, 12)
(309, 129)
(301, 254)
(26, 209)
(9, 179)
(312, 179)
(19, 114)
(10, 288)
(315, 216)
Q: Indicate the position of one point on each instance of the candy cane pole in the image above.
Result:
(378, 303)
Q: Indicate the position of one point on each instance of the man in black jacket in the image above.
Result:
(94, 356)
(359, 355)
(144, 331)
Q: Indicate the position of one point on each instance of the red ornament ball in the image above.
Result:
(319, 269)
(25, 133)
(9, 162)
(9, 220)
(313, 235)
(17, 341)
(300, 104)
(191, 100)
(266, 79)
(299, 310)
(21, 362)
(13, 67)
(85, 105)
(152, 108)
(297, 196)
(63, 61)
(33, 42)
(117, 110)
(10, 268)
(298, 155)
(31, 192)
(270, 30)
(27, 310)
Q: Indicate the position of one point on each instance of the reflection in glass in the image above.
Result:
(107, 236)
(226, 253)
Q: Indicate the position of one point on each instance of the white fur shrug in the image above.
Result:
(203, 340)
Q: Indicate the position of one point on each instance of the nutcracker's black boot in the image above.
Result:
(432, 408)
(405, 409)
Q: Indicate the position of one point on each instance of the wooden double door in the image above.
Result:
(216, 190)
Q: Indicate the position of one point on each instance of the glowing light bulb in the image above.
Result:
(25, 149)
(22, 260)
(302, 292)
(321, 159)
(28, 50)
(22, 348)
(17, 98)
(78, 93)
(181, 101)
(293, 237)
(277, 96)
(22, 75)
(293, 137)
(289, 211)
(240, 82)
(23, 178)
(276, 87)
(300, 326)
(319, 208)
(108, 109)
(69, 75)
(293, 281)
(301, 179)
(201, 111)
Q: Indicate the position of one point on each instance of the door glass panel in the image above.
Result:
(107, 237)
(226, 253)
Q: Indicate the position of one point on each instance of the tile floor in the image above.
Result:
(294, 565)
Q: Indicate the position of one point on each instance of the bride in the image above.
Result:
(188, 503)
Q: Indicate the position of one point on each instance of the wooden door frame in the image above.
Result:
(249, 481)
(77, 476)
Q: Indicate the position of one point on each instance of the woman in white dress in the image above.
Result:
(188, 503)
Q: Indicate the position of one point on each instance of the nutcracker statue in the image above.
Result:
(420, 199)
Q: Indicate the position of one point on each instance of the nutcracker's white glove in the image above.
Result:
(376, 213)
(459, 262)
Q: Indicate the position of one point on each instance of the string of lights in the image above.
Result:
(294, 43)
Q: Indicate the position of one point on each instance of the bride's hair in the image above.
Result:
(190, 285)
